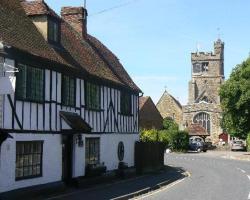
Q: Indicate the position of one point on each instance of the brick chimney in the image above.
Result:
(77, 18)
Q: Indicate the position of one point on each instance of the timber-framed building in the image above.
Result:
(73, 104)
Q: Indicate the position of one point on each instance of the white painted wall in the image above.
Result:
(108, 151)
(1, 96)
(52, 157)
(52, 161)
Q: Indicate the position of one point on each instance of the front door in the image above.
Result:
(67, 150)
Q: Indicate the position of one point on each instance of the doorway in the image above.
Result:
(67, 155)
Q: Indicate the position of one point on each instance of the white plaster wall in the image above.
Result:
(1, 96)
(109, 146)
(78, 158)
(108, 151)
(52, 161)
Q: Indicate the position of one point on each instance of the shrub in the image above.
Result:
(149, 135)
(175, 140)
(170, 124)
(179, 141)
(248, 142)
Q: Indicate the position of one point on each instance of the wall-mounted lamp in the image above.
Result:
(79, 140)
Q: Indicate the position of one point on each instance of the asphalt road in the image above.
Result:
(212, 178)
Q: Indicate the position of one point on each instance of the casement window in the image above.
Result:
(30, 83)
(68, 91)
(53, 31)
(93, 98)
(29, 156)
(92, 151)
(125, 103)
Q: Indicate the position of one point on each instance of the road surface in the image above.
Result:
(212, 178)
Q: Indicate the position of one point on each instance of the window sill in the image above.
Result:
(28, 177)
(94, 109)
(30, 100)
(124, 114)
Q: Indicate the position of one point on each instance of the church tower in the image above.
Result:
(204, 101)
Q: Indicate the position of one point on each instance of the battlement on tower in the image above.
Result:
(204, 56)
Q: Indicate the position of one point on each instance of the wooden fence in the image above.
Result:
(149, 156)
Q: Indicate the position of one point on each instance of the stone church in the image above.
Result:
(204, 102)
(170, 107)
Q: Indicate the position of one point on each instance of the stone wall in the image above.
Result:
(207, 77)
(168, 106)
(190, 111)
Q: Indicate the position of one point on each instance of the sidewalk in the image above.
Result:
(124, 189)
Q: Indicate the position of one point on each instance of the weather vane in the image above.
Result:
(218, 30)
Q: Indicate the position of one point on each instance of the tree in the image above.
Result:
(170, 124)
(235, 101)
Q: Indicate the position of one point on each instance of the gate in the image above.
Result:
(149, 156)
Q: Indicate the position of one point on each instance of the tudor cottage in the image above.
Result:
(66, 102)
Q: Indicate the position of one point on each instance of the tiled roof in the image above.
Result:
(87, 55)
(149, 116)
(83, 54)
(142, 101)
(197, 130)
(18, 31)
(113, 62)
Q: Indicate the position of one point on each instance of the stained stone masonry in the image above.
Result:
(204, 102)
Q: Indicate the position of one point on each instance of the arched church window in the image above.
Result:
(203, 119)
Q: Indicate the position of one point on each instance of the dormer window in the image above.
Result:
(53, 31)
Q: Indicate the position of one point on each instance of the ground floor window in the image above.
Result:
(92, 152)
(29, 159)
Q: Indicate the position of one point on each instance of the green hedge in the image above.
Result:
(174, 139)
(248, 142)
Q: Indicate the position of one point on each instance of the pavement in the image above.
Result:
(214, 176)
(125, 189)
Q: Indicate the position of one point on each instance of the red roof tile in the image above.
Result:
(87, 55)
(197, 130)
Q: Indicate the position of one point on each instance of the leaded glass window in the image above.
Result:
(53, 31)
(30, 83)
(68, 91)
(204, 120)
(92, 151)
(125, 103)
(93, 98)
(29, 159)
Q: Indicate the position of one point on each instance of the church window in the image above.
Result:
(203, 119)
(200, 67)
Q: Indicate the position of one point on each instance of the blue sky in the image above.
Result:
(154, 39)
